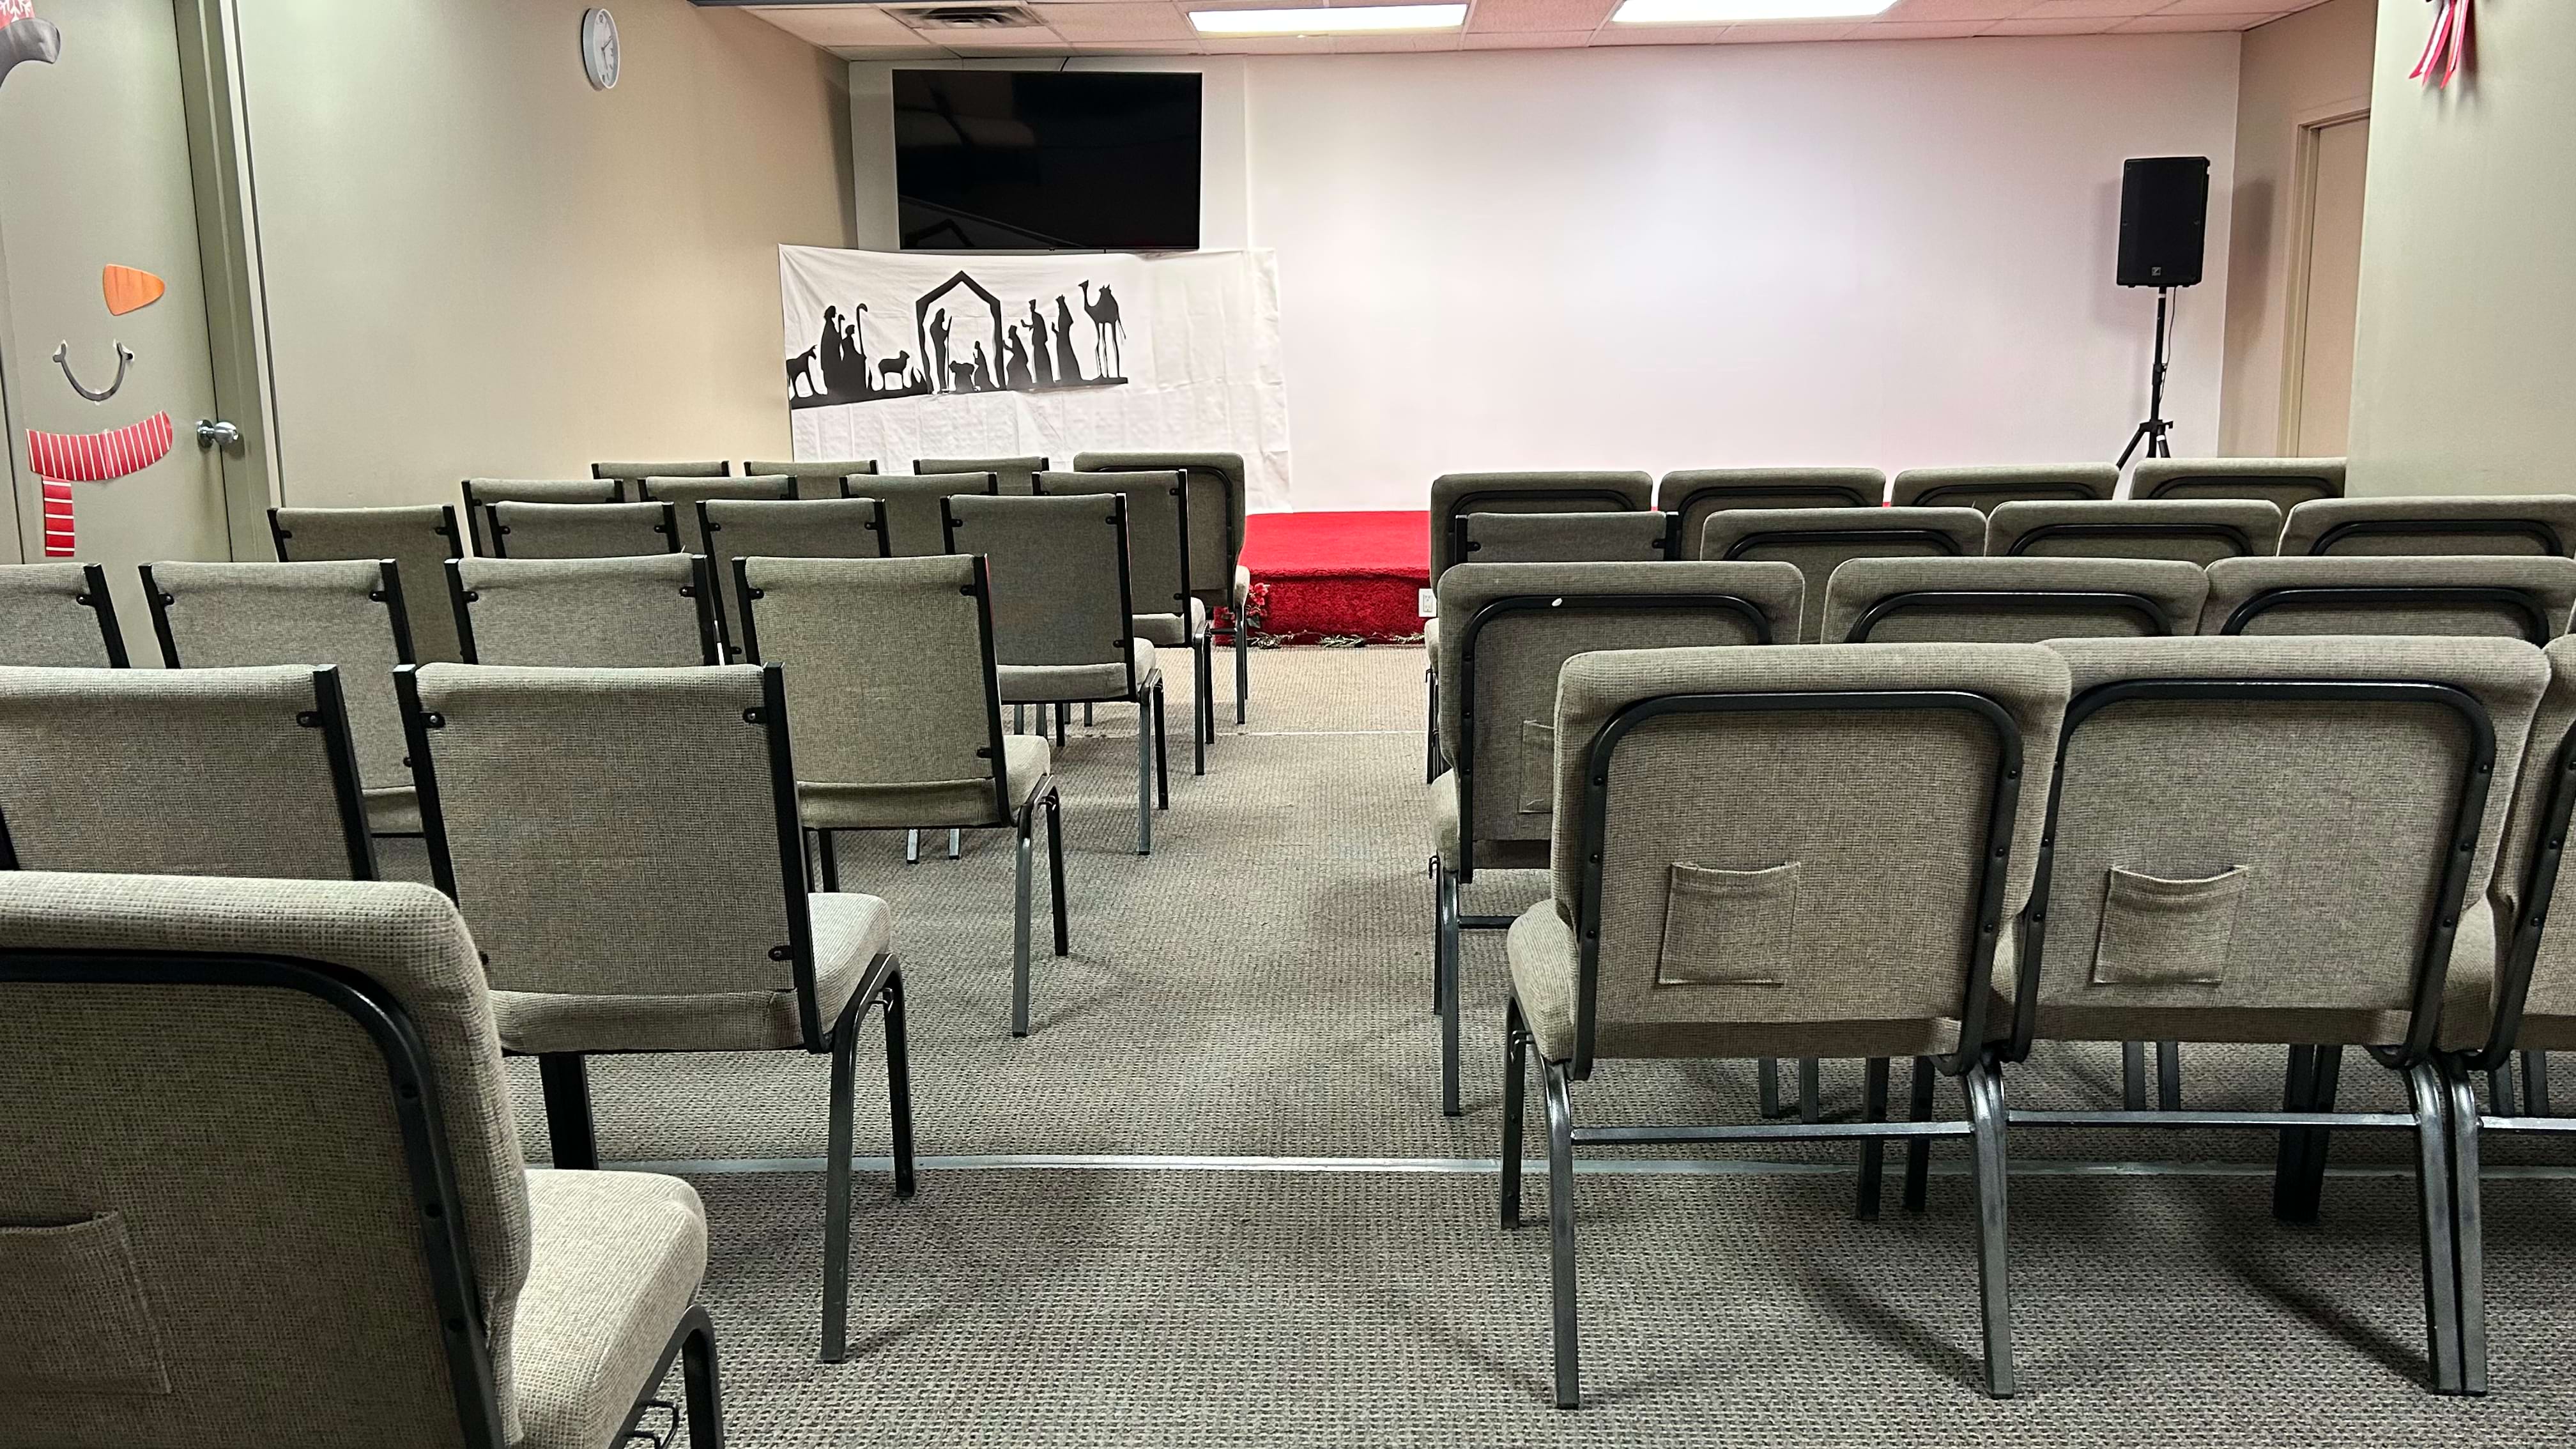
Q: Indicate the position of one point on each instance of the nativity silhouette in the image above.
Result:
(964, 340)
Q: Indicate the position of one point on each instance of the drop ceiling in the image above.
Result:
(1162, 27)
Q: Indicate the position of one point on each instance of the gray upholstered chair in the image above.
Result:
(58, 615)
(1783, 852)
(1158, 574)
(1218, 578)
(2009, 600)
(1014, 476)
(284, 1203)
(2524, 598)
(1693, 494)
(2283, 482)
(832, 527)
(2522, 523)
(235, 772)
(1618, 537)
(2195, 531)
(1818, 540)
(1512, 627)
(1983, 488)
(649, 611)
(901, 720)
(482, 493)
(1064, 628)
(637, 472)
(581, 530)
(915, 526)
(419, 540)
(644, 915)
(2201, 882)
(815, 477)
(346, 613)
(684, 495)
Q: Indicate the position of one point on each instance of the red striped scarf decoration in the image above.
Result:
(2447, 48)
(99, 457)
(58, 519)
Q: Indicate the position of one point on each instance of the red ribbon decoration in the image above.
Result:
(2447, 48)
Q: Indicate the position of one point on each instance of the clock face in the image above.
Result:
(599, 48)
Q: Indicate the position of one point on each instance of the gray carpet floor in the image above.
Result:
(1259, 988)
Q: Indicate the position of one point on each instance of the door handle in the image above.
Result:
(213, 434)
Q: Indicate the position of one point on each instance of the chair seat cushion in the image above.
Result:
(616, 1258)
(1490, 854)
(393, 812)
(1048, 683)
(1166, 631)
(850, 932)
(1027, 761)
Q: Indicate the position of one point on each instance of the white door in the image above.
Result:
(2322, 367)
(104, 359)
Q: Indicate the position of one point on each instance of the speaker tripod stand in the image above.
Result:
(2152, 432)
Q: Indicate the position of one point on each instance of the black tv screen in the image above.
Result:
(1018, 160)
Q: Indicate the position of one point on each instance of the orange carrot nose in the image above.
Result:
(129, 290)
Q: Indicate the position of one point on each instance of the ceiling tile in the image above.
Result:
(2048, 27)
(1269, 44)
(837, 24)
(2233, 7)
(2150, 23)
(1119, 22)
(1917, 29)
(1778, 31)
(1659, 34)
(1388, 44)
(1526, 40)
(2092, 9)
(1559, 15)
(1955, 10)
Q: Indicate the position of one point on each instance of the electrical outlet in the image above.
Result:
(1426, 603)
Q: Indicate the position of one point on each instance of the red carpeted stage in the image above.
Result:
(1337, 577)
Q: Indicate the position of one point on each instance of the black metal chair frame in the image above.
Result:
(2172, 487)
(1977, 1071)
(638, 472)
(95, 597)
(2307, 1111)
(2524, 608)
(2538, 531)
(495, 531)
(708, 528)
(2011, 601)
(1827, 495)
(1462, 544)
(885, 533)
(413, 1096)
(278, 533)
(478, 509)
(2002, 493)
(565, 1079)
(700, 590)
(1202, 645)
(1022, 821)
(2235, 538)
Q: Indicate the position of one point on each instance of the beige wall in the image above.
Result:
(2464, 374)
(2306, 68)
(475, 264)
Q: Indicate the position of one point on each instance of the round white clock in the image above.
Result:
(599, 58)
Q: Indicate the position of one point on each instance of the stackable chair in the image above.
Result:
(1621, 537)
(2010, 600)
(419, 540)
(482, 493)
(815, 477)
(1819, 540)
(685, 494)
(346, 613)
(1017, 476)
(2195, 531)
(1693, 494)
(915, 526)
(234, 772)
(1064, 619)
(581, 530)
(1218, 578)
(2283, 482)
(2518, 598)
(1512, 627)
(2526, 523)
(649, 611)
(1782, 852)
(2532, 1007)
(2199, 880)
(1984, 488)
(283, 1202)
(1158, 564)
(636, 472)
(634, 920)
(58, 615)
(901, 715)
(797, 528)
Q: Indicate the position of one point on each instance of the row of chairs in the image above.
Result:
(1950, 852)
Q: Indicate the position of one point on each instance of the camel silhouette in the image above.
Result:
(1108, 334)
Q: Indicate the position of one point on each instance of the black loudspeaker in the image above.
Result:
(2164, 217)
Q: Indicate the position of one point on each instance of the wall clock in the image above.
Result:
(599, 58)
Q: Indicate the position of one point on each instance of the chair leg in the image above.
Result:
(2468, 1227)
(565, 1080)
(1560, 1222)
(1810, 1090)
(703, 1387)
(1202, 720)
(2133, 1075)
(1515, 1085)
(831, 862)
(1162, 753)
(836, 1196)
(2309, 1186)
(2435, 1185)
(1144, 782)
(1873, 1152)
(1063, 713)
(1918, 1150)
(2169, 1076)
(1086, 714)
(1022, 855)
(1984, 1084)
(1242, 669)
(1766, 1086)
(1055, 867)
(912, 847)
(2289, 1163)
(1430, 727)
(952, 844)
(1444, 973)
(898, 1054)
(2535, 1083)
(1020, 719)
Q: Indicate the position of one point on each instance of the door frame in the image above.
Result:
(2306, 147)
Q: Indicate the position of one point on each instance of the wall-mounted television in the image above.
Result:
(1021, 160)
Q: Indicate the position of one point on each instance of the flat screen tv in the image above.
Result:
(1019, 160)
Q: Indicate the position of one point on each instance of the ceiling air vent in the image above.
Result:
(968, 17)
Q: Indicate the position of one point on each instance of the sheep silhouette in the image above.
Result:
(896, 369)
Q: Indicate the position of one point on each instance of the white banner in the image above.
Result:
(903, 355)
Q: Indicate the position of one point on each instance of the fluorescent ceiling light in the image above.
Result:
(1727, 12)
(1332, 20)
